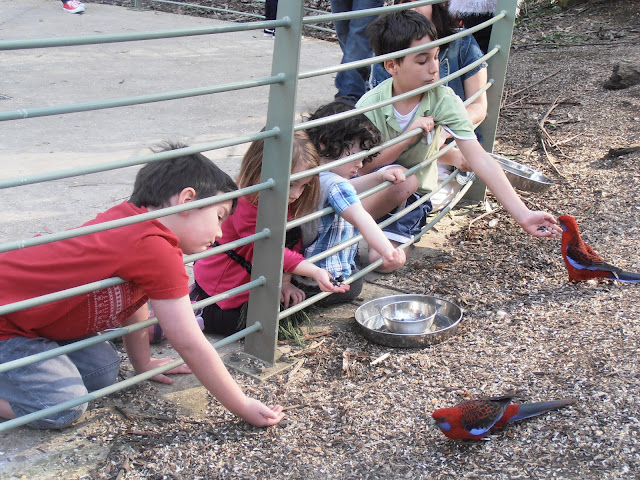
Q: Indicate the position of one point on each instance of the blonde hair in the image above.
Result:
(303, 157)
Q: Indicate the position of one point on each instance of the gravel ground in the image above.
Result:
(525, 328)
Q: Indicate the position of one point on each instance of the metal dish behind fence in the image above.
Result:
(523, 177)
(445, 323)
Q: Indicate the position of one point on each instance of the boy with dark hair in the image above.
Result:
(431, 111)
(148, 256)
(339, 187)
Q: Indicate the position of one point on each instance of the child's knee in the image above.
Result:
(412, 184)
(34, 403)
(60, 419)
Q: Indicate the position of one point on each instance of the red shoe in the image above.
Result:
(73, 6)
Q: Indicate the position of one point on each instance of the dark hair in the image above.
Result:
(440, 17)
(395, 31)
(158, 181)
(333, 139)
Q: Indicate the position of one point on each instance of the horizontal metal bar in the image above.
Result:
(454, 201)
(129, 37)
(25, 113)
(72, 347)
(265, 233)
(133, 161)
(258, 282)
(400, 53)
(123, 222)
(120, 385)
(112, 333)
(109, 282)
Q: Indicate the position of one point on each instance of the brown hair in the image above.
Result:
(303, 157)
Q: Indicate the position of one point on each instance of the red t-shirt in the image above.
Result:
(219, 273)
(145, 254)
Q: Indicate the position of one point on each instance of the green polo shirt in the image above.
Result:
(447, 111)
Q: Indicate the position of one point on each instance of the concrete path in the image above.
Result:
(67, 75)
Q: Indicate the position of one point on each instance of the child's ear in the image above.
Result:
(187, 194)
(391, 66)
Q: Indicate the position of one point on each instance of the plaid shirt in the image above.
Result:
(338, 193)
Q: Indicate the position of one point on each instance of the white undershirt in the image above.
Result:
(405, 120)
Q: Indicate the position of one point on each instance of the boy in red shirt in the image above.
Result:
(148, 256)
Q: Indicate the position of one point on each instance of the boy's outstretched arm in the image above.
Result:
(179, 324)
(536, 223)
(393, 258)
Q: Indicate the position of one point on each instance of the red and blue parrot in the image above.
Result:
(475, 419)
(583, 263)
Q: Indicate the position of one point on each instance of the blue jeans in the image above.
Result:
(59, 379)
(354, 42)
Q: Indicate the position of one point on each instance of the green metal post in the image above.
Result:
(501, 35)
(273, 205)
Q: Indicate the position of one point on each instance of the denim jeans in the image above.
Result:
(354, 42)
(59, 379)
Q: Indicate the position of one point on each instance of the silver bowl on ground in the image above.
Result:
(408, 316)
(445, 323)
(523, 177)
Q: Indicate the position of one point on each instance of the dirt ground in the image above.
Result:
(525, 328)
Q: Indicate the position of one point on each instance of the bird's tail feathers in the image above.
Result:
(529, 410)
(630, 277)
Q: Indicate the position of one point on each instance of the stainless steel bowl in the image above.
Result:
(523, 177)
(408, 316)
(445, 323)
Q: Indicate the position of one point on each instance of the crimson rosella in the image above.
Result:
(474, 419)
(583, 263)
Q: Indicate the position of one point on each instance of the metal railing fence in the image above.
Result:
(264, 306)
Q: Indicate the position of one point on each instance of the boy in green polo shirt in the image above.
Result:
(436, 109)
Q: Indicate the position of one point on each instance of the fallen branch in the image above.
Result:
(308, 349)
(291, 407)
(126, 415)
(482, 216)
(306, 337)
(535, 83)
(381, 358)
(390, 287)
(294, 370)
(617, 152)
(542, 133)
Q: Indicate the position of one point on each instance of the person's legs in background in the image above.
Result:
(270, 12)
(354, 42)
(73, 6)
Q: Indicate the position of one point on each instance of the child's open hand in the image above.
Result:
(393, 174)
(323, 278)
(260, 415)
(541, 224)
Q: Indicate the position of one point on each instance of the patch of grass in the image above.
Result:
(291, 327)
